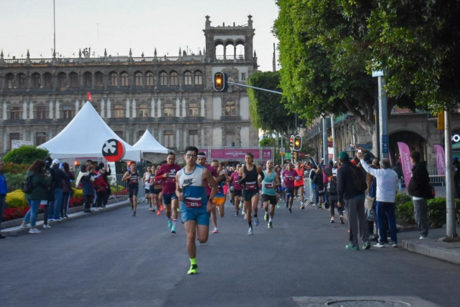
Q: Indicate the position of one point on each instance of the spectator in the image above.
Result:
(333, 198)
(58, 180)
(66, 189)
(100, 186)
(3, 191)
(399, 171)
(371, 193)
(457, 177)
(419, 188)
(318, 179)
(351, 187)
(48, 211)
(86, 179)
(387, 184)
(40, 182)
(106, 172)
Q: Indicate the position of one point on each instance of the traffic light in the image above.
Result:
(440, 125)
(297, 143)
(220, 81)
(291, 143)
(294, 156)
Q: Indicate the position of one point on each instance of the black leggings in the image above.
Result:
(333, 203)
(102, 198)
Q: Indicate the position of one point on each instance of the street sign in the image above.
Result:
(282, 150)
(288, 155)
(385, 143)
(377, 73)
(113, 150)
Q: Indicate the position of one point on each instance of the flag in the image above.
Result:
(404, 155)
(88, 96)
(440, 159)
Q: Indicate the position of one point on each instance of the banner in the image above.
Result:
(440, 159)
(267, 154)
(404, 154)
(233, 154)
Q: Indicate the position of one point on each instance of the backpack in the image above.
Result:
(332, 188)
(359, 180)
(99, 184)
(27, 186)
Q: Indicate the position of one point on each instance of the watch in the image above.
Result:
(211, 199)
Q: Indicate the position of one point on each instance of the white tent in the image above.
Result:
(84, 137)
(147, 143)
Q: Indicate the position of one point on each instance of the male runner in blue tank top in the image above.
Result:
(269, 185)
(194, 204)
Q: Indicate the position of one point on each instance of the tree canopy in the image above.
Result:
(266, 110)
(26, 155)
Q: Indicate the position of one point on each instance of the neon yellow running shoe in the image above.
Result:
(193, 269)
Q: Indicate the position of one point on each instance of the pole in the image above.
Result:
(282, 146)
(334, 153)
(254, 87)
(383, 118)
(54, 26)
(451, 227)
(325, 153)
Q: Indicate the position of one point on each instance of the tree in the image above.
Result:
(26, 155)
(266, 110)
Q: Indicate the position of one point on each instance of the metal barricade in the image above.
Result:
(120, 188)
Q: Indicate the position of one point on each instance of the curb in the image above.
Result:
(449, 254)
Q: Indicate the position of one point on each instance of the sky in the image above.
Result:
(119, 25)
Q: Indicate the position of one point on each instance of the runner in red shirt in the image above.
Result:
(237, 190)
(299, 183)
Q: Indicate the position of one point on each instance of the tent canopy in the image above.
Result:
(148, 143)
(84, 137)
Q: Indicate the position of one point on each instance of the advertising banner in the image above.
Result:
(404, 153)
(440, 159)
(233, 154)
(267, 154)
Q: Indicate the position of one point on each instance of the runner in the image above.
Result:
(269, 186)
(168, 173)
(146, 182)
(219, 199)
(132, 177)
(237, 190)
(202, 162)
(248, 176)
(289, 177)
(299, 183)
(155, 191)
(195, 205)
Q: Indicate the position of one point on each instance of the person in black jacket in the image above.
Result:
(419, 188)
(352, 196)
(58, 183)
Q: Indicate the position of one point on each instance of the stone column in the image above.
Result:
(152, 108)
(159, 108)
(177, 107)
(57, 109)
(177, 138)
(184, 109)
(24, 110)
(109, 108)
(202, 113)
(134, 114)
(5, 113)
(102, 108)
(31, 110)
(51, 111)
(127, 108)
(202, 136)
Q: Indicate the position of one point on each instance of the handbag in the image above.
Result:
(369, 202)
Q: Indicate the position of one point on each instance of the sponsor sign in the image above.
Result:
(233, 154)
(113, 150)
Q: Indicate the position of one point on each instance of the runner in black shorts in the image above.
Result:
(132, 177)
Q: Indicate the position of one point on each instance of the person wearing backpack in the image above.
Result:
(351, 185)
(3, 191)
(100, 186)
(55, 206)
(332, 196)
(39, 190)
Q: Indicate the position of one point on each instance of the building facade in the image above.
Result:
(172, 96)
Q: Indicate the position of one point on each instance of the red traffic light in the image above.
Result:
(220, 82)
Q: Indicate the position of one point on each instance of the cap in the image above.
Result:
(343, 155)
(56, 162)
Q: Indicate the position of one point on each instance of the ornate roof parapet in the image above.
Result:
(208, 22)
(250, 21)
(28, 57)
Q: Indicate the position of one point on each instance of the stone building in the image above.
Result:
(173, 96)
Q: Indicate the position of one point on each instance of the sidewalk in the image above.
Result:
(16, 230)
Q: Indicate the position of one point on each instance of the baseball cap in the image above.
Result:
(56, 162)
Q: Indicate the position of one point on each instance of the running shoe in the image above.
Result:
(341, 220)
(243, 212)
(215, 230)
(278, 205)
(266, 217)
(170, 225)
(158, 212)
(394, 245)
(256, 221)
(352, 247)
(46, 226)
(319, 207)
(150, 209)
(23, 226)
(153, 210)
(302, 206)
(290, 210)
(332, 220)
(173, 229)
(34, 230)
(270, 225)
(162, 207)
(236, 213)
(379, 245)
(250, 231)
(193, 269)
(134, 213)
(244, 216)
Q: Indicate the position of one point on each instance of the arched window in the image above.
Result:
(73, 80)
(240, 50)
(99, 78)
(138, 79)
(219, 51)
(118, 111)
(198, 77)
(124, 79)
(144, 110)
(187, 78)
(113, 79)
(230, 108)
(36, 80)
(193, 109)
(149, 78)
(163, 78)
(87, 79)
(22, 81)
(229, 51)
(48, 79)
(174, 79)
(9, 81)
(62, 80)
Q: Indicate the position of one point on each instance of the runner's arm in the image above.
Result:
(159, 175)
(179, 193)
(277, 180)
(125, 177)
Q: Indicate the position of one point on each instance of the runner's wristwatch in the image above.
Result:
(211, 199)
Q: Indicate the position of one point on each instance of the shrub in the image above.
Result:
(76, 201)
(405, 212)
(14, 213)
(16, 199)
(14, 181)
(402, 198)
(77, 193)
(13, 168)
(26, 155)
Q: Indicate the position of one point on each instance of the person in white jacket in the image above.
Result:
(387, 183)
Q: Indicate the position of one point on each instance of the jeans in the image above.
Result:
(387, 210)
(421, 215)
(56, 208)
(65, 203)
(31, 215)
(2, 207)
(357, 219)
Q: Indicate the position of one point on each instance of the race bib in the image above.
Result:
(250, 186)
(170, 179)
(269, 185)
(192, 202)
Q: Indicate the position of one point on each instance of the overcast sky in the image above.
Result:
(118, 25)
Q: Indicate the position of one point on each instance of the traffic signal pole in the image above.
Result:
(254, 87)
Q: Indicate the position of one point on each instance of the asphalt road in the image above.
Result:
(114, 259)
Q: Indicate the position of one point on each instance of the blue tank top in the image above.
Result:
(268, 184)
(192, 187)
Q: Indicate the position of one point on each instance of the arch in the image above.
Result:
(174, 78)
(10, 81)
(188, 77)
(219, 51)
(48, 80)
(218, 42)
(230, 52)
(138, 78)
(22, 83)
(88, 79)
(99, 79)
(149, 81)
(163, 78)
(229, 42)
(36, 80)
(240, 50)
(124, 78)
(62, 80)
(198, 75)
(73, 80)
(113, 78)
(413, 139)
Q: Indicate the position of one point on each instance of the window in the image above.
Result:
(193, 138)
(188, 78)
(149, 79)
(119, 133)
(62, 80)
(48, 79)
(144, 110)
(163, 78)
(243, 76)
(174, 79)
(9, 81)
(22, 81)
(87, 79)
(169, 138)
(230, 138)
(230, 108)
(73, 78)
(198, 78)
(168, 110)
(41, 112)
(36, 80)
(138, 79)
(40, 138)
(119, 111)
(13, 137)
(113, 79)
(15, 112)
(67, 112)
(99, 78)
(193, 109)
(124, 79)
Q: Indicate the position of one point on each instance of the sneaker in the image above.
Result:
(332, 221)
(341, 220)
(215, 230)
(153, 210)
(34, 230)
(319, 207)
(290, 210)
(243, 212)
(158, 212)
(50, 220)
(422, 238)
(367, 245)
(244, 216)
(302, 206)
(46, 226)
(150, 209)
(270, 225)
(162, 208)
(256, 221)
(266, 217)
(352, 247)
(250, 231)
(278, 205)
(236, 213)
(24, 226)
(173, 229)
(134, 213)
(59, 219)
(379, 245)
(193, 269)
(66, 216)
(394, 245)
(170, 225)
